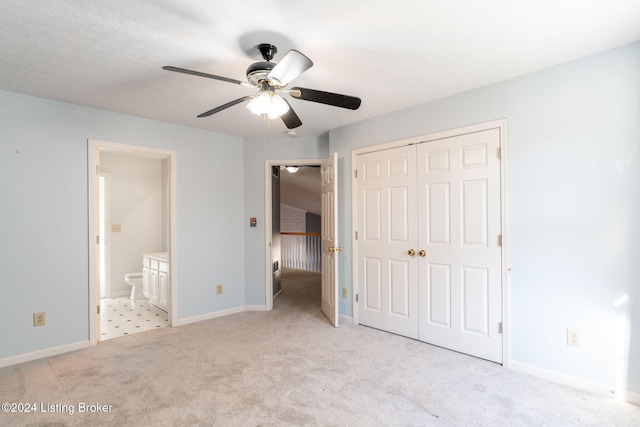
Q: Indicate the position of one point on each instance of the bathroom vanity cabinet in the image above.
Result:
(155, 280)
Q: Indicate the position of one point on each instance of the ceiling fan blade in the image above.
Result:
(209, 76)
(290, 118)
(225, 106)
(335, 99)
(290, 66)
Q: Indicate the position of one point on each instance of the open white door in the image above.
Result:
(329, 176)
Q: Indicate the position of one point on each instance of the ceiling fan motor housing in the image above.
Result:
(259, 71)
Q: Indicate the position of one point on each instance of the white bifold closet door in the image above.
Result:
(429, 256)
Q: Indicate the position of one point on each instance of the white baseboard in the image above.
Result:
(119, 294)
(40, 354)
(575, 382)
(347, 320)
(631, 397)
(255, 308)
(208, 316)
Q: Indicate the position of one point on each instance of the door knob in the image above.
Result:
(411, 252)
(335, 249)
(422, 252)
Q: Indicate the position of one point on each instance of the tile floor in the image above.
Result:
(121, 316)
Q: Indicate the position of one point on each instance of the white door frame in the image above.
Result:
(268, 231)
(93, 154)
(106, 240)
(500, 124)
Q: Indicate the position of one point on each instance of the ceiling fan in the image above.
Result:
(270, 79)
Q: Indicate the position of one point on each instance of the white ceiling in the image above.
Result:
(109, 54)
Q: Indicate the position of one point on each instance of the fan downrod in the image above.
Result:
(267, 50)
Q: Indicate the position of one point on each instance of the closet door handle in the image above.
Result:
(422, 253)
(411, 252)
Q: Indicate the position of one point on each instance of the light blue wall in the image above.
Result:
(44, 219)
(573, 205)
(256, 151)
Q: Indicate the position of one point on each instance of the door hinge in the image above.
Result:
(500, 327)
(97, 169)
(97, 240)
(98, 307)
(355, 173)
(499, 239)
(356, 235)
(499, 152)
(356, 297)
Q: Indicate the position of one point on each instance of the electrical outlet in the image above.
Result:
(345, 293)
(573, 337)
(218, 289)
(39, 319)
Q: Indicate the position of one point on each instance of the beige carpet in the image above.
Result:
(289, 367)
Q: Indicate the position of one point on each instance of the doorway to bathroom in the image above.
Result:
(132, 219)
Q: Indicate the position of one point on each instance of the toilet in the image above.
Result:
(135, 280)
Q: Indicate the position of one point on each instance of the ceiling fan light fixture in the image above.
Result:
(268, 103)
(278, 107)
(260, 104)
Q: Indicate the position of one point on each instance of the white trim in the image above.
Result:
(575, 382)
(631, 397)
(345, 320)
(221, 313)
(120, 294)
(93, 148)
(107, 221)
(504, 226)
(41, 354)
(354, 230)
(209, 316)
(500, 124)
(268, 231)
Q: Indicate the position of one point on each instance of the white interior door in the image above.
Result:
(329, 231)
(387, 241)
(459, 228)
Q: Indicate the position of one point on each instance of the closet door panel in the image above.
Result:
(386, 217)
(458, 224)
